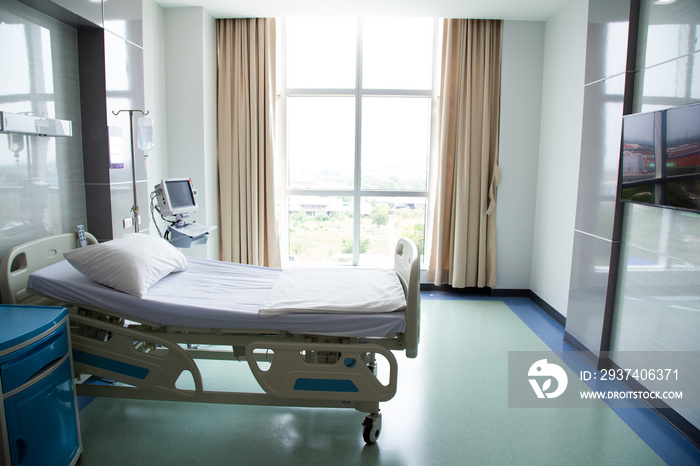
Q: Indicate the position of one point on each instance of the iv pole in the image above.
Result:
(135, 208)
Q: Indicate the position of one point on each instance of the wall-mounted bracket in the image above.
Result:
(34, 125)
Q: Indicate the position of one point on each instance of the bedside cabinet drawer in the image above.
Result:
(24, 364)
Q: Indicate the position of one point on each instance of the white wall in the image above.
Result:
(180, 86)
(521, 99)
(190, 89)
(560, 148)
(210, 188)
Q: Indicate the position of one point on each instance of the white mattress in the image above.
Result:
(208, 295)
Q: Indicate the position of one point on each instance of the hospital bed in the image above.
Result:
(148, 345)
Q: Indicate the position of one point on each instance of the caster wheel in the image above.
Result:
(371, 428)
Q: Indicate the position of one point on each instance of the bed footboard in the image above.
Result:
(407, 267)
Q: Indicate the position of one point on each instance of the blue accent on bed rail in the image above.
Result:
(325, 385)
(110, 364)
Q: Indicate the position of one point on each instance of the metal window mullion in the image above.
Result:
(320, 92)
(357, 212)
(282, 164)
(398, 92)
(384, 193)
(321, 192)
(351, 192)
(316, 92)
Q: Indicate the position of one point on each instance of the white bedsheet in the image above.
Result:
(208, 295)
(342, 290)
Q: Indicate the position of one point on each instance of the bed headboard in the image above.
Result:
(407, 267)
(20, 261)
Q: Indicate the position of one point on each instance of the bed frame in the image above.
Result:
(147, 360)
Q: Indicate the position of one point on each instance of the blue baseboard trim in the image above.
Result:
(553, 313)
(581, 349)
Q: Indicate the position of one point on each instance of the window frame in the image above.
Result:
(358, 92)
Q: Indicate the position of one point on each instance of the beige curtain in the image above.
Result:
(463, 252)
(246, 116)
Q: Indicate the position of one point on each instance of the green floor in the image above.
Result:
(451, 408)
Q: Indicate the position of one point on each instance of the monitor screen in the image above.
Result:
(180, 194)
(176, 196)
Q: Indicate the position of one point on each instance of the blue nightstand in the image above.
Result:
(38, 414)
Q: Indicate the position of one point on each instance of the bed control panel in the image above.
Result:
(82, 239)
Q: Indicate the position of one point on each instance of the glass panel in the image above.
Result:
(15, 57)
(320, 229)
(321, 53)
(638, 154)
(321, 142)
(397, 53)
(117, 67)
(395, 143)
(42, 186)
(386, 219)
(47, 59)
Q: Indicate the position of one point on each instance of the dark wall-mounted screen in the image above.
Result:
(661, 157)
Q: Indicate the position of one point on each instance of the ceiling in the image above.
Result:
(527, 10)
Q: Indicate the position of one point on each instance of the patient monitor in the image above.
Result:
(176, 197)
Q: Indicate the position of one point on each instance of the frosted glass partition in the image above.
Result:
(657, 305)
(41, 178)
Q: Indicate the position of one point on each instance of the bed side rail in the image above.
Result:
(20, 261)
(128, 356)
(407, 267)
(323, 371)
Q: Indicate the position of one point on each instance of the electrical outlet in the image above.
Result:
(128, 222)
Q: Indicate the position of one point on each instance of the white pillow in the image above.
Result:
(131, 263)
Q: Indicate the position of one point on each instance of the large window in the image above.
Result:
(357, 103)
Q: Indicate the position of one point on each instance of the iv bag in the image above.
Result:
(146, 141)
